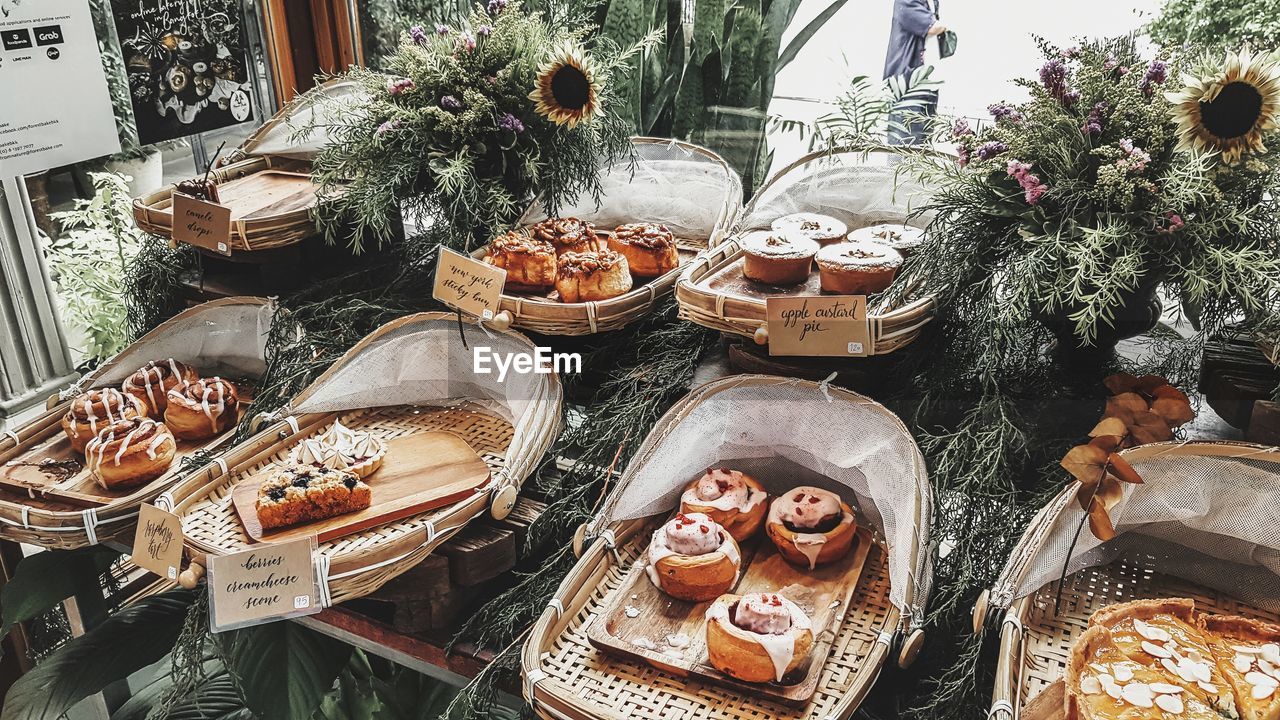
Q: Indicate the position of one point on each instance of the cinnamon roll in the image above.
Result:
(153, 381)
(650, 249)
(95, 410)
(810, 526)
(587, 277)
(130, 452)
(735, 500)
(760, 637)
(202, 409)
(693, 558)
(530, 263)
(566, 234)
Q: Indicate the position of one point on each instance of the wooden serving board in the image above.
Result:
(420, 472)
(823, 593)
(1048, 705)
(66, 481)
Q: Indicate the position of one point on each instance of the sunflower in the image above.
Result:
(1228, 108)
(568, 91)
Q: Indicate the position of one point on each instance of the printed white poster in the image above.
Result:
(56, 108)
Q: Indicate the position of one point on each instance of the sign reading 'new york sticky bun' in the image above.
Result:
(469, 285)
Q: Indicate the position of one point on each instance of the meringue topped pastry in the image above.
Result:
(341, 448)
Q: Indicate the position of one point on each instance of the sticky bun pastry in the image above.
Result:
(202, 409)
(857, 268)
(774, 258)
(302, 493)
(810, 526)
(693, 558)
(130, 452)
(650, 249)
(566, 235)
(96, 409)
(735, 500)
(588, 277)
(530, 263)
(759, 637)
(152, 382)
(822, 229)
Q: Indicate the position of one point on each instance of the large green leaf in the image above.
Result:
(124, 643)
(806, 33)
(215, 698)
(283, 670)
(47, 578)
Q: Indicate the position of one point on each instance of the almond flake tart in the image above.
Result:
(1164, 659)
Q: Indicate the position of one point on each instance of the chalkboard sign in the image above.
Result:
(187, 65)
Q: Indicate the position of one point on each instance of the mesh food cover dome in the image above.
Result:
(790, 432)
(687, 188)
(1205, 512)
(282, 135)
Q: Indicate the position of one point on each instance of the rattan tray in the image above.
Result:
(1038, 630)
(51, 522)
(357, 564)
(551, 317)
(712, 293)
(565, 676)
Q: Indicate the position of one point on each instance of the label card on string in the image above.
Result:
(819, 326)
(262, 584)
(202, 223)
(157, 543)
(470, 285)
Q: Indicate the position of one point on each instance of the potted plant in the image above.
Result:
(1118, 180)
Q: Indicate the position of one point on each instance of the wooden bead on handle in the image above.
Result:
(502, 502)
(911, 648)
(501, 321)
(762, 336)
(190, 578)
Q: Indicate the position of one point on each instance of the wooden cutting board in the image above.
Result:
(639, 612)
(1048, 705)
(420, 472)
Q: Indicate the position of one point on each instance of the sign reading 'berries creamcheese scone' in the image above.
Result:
(265, 583)
(468, 285)
(157, 544)
(818, 326)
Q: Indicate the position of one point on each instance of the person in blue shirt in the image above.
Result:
(914, 22)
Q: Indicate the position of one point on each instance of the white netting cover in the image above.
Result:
(1209, 519)
(425, 362)
(792, 433)
(686, 188)
(857, 188)
(318, 108)
(224, 337)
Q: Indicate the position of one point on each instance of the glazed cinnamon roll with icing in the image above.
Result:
(96, 409)
(759, 637)
(202, 409)
(153, 381)
(693, 558)
(733, 499)
(810, 526)
(130, 452)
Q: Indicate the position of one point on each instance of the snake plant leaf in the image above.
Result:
(626, 23)
(215, 698)
(123, 644)
(45, 579)
(282, 669)
(806, 33)
(709, 20)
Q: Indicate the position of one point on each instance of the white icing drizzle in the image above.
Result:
(808, 544)
(781, 648)
(730, 499)
(96, 450)
(658, 549)
(106, 396)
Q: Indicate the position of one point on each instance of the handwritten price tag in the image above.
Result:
(469, 285)
(265, 583)
(157, 543)
(826, 325)
(201, 223)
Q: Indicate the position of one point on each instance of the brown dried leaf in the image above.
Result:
(1173, 405)
(1100, 523)
(1085, 463)
(1108, 443)
(1120, 383)
(1149, 427)
(1125, 405)
(1122, 470)
(1148, 384)
(1113, 426)
(1110, 492)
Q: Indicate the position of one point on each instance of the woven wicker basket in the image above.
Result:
(567, 677)
(550, 317)
(357, 564)
(892, 327)
(1036, 639)
(59, 525)
(266, 181)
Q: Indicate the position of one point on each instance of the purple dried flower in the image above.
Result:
(1094, 124)
(1071, 97)
(442, 29)
(484, 30)
(1032, 188)
(419, 34)
(387, 127)
(1157, 73)
(960, 128)
(401, 86)
(467, 41)
(1053, 75)
(991, 149)
(497, 6)
(1004, 111)
(510, 123)
(1033, 194)
(450, 102)
(1111, 63)
(1071, 53)
(962, 156)
(1173, 222)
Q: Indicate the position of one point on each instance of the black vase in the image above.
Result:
(1138, 313)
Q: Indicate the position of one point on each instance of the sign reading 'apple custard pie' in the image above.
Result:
(265, 583)
(819, 326)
